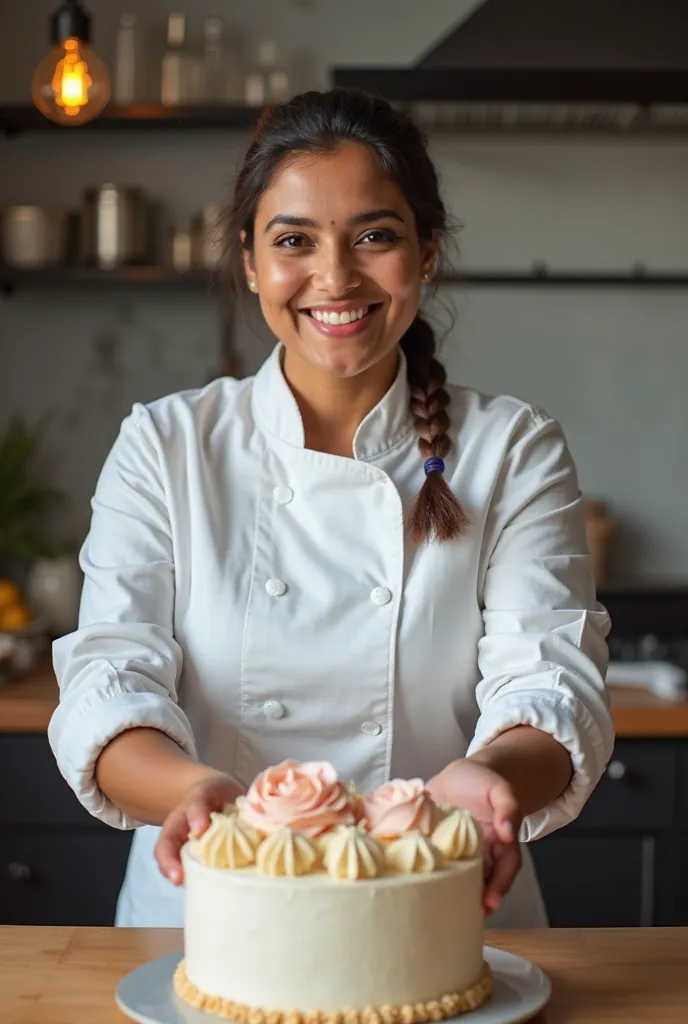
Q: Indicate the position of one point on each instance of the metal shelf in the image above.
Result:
(13, 278)
(569, 278)
(148, 116)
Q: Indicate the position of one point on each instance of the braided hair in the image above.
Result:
(318, 122)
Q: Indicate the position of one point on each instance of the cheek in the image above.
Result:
(400, 278)
(279, 279)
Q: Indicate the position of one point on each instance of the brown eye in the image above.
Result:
(380, 235)
(291, 241)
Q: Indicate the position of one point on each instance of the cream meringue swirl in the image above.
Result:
(457, 836)
(413, 854)
(226, 843)
(351, 854)
(287, 853)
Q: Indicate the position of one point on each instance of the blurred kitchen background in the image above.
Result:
(560, 130)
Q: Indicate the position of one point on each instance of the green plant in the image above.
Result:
(23, 501)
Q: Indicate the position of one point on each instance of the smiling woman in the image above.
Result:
(343, 558)
(337, 220)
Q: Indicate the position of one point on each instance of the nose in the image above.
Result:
(335, 270)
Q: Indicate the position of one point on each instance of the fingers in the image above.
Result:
(507, 863)
(198, 815)
(190, 820)
(173, 836)
(506, 812)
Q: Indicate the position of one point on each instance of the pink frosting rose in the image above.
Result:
(397, 807)
(306, 796)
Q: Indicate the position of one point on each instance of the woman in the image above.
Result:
(342, 558)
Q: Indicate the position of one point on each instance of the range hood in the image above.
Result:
(605, 64)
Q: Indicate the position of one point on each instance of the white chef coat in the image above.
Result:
(257, 600)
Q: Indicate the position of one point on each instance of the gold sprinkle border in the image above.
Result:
(451, 1005)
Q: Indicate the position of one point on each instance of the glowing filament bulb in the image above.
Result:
(71, 84)
(71, 80)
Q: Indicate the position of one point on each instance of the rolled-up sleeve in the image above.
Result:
(121, 667)
(543, 656)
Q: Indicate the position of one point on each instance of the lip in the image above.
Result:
(342, 330)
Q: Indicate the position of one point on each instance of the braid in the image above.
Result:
(437, 513)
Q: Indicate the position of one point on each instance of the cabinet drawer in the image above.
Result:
(638, 789)
(682, 775)
(37, 793)
(597, 881)
(61, 878)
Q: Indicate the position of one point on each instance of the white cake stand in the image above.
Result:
(520, 990)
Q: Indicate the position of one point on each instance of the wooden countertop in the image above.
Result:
(26, 706)
(638, 712)
(605, 976)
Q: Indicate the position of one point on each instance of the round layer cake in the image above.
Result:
(337, 927)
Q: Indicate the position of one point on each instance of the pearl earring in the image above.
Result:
(253, 286)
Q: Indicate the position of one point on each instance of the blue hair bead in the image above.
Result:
(434, 466)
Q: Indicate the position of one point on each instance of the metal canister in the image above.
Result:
(115, 226)
(34, 236)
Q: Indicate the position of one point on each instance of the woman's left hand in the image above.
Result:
(490, 799)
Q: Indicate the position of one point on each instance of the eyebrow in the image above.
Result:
(359, 218)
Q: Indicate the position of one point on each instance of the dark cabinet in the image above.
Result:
(619, 863)
(596, 881)
(637, 791)
(65, 877)
(58, 864)
(681, 892)
(36, 792)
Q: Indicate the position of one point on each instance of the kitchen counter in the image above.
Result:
(26, 706)
(606, 976)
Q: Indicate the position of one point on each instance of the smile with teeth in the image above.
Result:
(348, 316)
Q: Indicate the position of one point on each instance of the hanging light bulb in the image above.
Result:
(71, 84)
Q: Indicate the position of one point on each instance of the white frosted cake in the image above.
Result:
(309, 903)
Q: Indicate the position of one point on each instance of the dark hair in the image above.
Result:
(317, 122)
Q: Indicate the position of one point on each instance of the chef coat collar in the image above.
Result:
(384, 427)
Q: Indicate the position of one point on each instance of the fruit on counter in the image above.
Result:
(16, 617)
(10, 594)
(14, 613)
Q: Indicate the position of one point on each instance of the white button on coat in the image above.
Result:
(273, 709)
(381, 596)
(371, 728)
(283, 495)
(276, 588)
(176, 632)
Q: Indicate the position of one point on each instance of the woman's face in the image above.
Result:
(333, 235)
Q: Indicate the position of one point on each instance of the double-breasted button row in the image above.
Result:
(380, 596)
(274, 710)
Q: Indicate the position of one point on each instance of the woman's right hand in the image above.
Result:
(191, 818)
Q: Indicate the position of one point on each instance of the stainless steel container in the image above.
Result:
(34, 236)
(116, 227)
